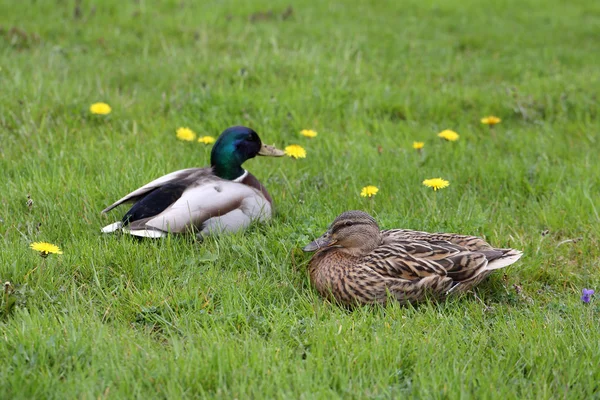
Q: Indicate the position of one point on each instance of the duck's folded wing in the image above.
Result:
(418, 259)
(136, 194)
(432, 250)
(463, 257)
(198, 204)
(396, 262)
(468, 242)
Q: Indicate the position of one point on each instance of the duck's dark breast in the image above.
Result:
(251, 180)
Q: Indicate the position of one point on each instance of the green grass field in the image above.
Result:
(236, 316)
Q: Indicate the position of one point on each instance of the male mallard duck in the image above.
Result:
(356, 263)
(222, 197)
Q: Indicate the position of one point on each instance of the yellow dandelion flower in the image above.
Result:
(308, 133)
(418, 145)
(295, 151)
(436, 183)
(449, 135)
(491, 120)
(100, 109)
(369, 191)
(45, 248)
(206, 139)
(186, 134)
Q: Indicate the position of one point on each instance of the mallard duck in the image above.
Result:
(221, 198)
(357, 263)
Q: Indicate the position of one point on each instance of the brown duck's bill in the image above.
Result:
(270, 151)
(323, 241)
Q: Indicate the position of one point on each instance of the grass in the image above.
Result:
(235, 316)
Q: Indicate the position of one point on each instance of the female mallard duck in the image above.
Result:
(357, 263)
(222, 197)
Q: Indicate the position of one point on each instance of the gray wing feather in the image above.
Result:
(177, 175)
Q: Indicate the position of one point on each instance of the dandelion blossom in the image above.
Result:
(586, 295)
(100, 109)
(491, 120)
(186, 134)
(206, 139)
(369, 191)
(308, 133)
(418, 145)
(449, 135)
(436, 183)
(45, 248)
(295, 151)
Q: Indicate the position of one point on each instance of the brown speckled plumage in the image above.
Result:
(356, 263)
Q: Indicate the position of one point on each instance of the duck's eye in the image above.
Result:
(349, 223)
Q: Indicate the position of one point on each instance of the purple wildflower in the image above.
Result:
(586, 295)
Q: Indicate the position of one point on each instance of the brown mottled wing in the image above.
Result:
(468, 242)
(395, 260)
(460, 258)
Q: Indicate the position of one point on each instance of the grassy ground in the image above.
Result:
(235, 316)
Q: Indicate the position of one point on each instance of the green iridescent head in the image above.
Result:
(233, 147)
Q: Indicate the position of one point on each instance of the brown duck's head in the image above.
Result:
(352, 232)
